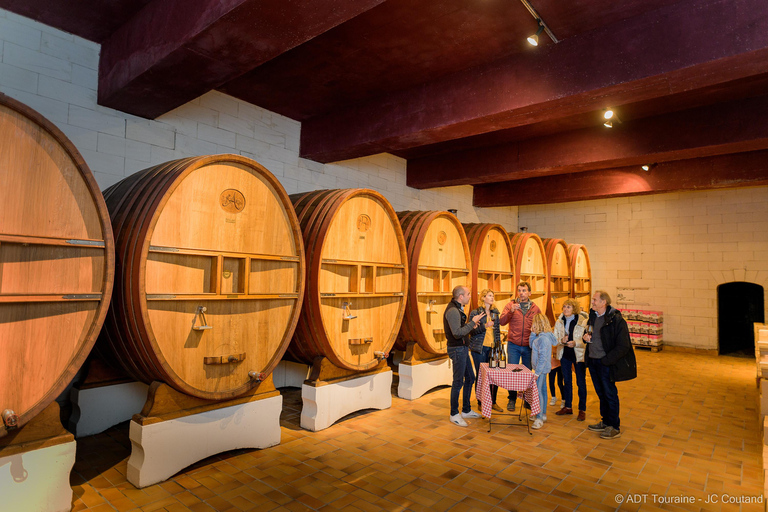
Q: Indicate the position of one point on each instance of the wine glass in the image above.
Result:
(588, 331)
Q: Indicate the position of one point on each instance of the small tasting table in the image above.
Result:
(522, 381)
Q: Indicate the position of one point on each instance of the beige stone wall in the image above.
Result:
(669, 251)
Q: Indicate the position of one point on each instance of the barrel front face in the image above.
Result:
(560, 285)
(582, 275)
(211, 278)
(439, 260)
(531, 266)
(492, 263)
(362, 281)
(56, 261)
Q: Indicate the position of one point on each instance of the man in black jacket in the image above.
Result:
(610, 359)
(457, 331)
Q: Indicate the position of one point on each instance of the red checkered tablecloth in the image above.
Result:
(522, 381)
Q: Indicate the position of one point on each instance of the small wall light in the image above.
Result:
(453, 211)
(534, 39)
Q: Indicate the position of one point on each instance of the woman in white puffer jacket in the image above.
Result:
(569, 329)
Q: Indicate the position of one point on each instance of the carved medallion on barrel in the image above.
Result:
(210, 275)
(581, 270)
(559, 283)
(438, 260)
(492, 263)
(531, 266)
(56, 262)
(356, 278)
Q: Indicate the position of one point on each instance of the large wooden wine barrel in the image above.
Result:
(493, 265)
(531, 266)
(581, 272)
(356, 278)
(438, 260)
(210, 275)
(56, 261)
(559, 282)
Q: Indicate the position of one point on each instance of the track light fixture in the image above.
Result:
(610, 118)
(647, 167)
(534, 39)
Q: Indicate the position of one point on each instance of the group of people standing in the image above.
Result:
(597, 340)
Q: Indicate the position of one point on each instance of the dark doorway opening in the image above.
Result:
(739, 305)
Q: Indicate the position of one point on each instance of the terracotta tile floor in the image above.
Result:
(689, 426)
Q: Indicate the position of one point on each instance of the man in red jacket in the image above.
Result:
(519, 315)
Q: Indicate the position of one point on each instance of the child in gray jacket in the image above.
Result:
(542, 340)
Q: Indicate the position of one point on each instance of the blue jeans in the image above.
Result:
(606, 392)
(581, 382)
(485, 357)
(515, 353)
(463, 377)
(541, 385)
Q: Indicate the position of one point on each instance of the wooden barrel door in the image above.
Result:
(492, 263)
(531, 266)
(210, 275)
(581, 270)
(56, 262)
(438, 260)
(559, 284)
(356, 278)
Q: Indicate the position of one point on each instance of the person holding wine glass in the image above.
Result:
(610, 359)
(519, 315)
(485, 339)
(569, 331)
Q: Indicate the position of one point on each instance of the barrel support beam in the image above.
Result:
(725, 171)
(173, 51)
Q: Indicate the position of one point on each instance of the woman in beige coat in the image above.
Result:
(569, 329)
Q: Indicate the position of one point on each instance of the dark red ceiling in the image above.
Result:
(439, 82)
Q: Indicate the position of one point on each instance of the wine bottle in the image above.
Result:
(493, 361)
(502, 357)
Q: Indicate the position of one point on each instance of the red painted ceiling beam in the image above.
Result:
(725, 171)
(686, 46)
(173, 51)
(731, 127)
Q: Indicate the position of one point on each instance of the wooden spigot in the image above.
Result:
(10, 419)
(429, 306)
(380, 355)
(258, 377)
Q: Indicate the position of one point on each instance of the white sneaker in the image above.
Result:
(537, 424)
(553, 401)
(458, 420)
(543, 417)
(470, 415)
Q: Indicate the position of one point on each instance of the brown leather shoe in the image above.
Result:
(564, 411)
(582, 416)
(497, 408)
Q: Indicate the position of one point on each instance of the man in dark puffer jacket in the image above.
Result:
(610, 359)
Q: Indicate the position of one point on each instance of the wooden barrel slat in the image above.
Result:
(211, 232)
(354, 245)
(493, 264)
(559, 283)
(531, 267)
(581, 270)
(427, 235)
(49, 198)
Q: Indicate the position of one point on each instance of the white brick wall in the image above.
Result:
(679, 246)
(56, 74)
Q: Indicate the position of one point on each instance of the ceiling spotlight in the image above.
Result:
(610, 118)
(608, 124)
(534, 39)
(608, 113)
(647, 167)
